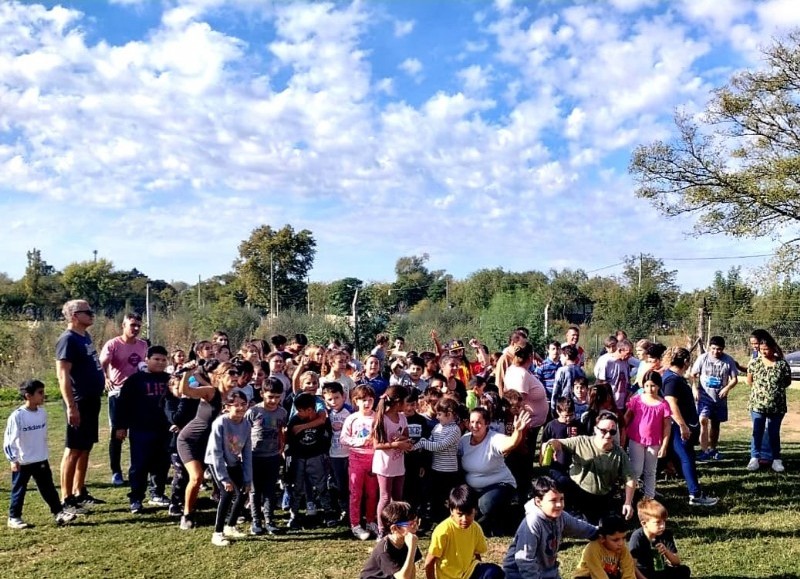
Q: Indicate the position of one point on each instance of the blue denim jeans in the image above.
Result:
(114, 445)
(263, 497)
(341, 480)
(149, 456)
(493, 503)
(43, 476)
(684, 449)
(487, 571)
(772, 424)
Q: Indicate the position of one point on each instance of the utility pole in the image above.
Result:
(271, 285)
(546, 319)
(147, 312)
(308, 293)
(641, 266)
(94, 251)
(355, 321)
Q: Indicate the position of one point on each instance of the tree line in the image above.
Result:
(269, 279)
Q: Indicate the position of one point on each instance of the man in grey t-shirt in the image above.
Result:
(714, 375)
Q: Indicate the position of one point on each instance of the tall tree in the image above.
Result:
(95, 281)
(340, 295)
(290, 254)
(36, 269)
(729, 296)
(414, 282)
(738, 168)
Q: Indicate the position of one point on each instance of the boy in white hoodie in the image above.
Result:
(533, 553)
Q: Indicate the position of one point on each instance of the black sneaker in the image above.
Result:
(71, 505)
(85, 499)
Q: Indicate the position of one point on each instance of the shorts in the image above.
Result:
(716, 410)
(87, 434)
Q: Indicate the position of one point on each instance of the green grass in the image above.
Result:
(753, 532)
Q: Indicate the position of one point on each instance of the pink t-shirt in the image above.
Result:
(357, 434)
(519, 379)
(391, 462)
(123, 359)
(647, 425)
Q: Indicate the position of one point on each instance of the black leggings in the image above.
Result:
(236, 497)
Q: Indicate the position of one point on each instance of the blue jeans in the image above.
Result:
(493, 502)
(233, 500)
(341, 480)
(43, 476)
(487, 571)
(772, 424)
(149, 455)
(309, 476)
(114, 445)
(263, 498)
(684, 449)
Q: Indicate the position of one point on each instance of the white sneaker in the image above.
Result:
(311, 509)
(219, 540)
(63, 517)
(233, 532)
(753, 465)
(373, 528)
(16, 523)
(777, 465)
(360, 533)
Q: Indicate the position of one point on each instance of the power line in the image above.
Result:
(722, 257)
(604, 267)
(713, 258)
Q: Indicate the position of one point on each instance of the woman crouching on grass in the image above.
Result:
(193, 438)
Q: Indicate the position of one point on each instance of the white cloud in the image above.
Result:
(778, 14)
(475, 78)
(412, 67)
(385, 86)
(632, 5)
(200, 130)
(403, 28)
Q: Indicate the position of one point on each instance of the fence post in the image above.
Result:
(700, 339)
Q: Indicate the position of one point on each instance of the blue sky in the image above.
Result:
(486, 134)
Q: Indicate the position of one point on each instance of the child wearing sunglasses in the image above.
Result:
(395, 555)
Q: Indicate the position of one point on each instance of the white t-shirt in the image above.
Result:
(484, 463)
(715, 373)
(617, 374)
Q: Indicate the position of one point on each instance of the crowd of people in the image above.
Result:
(403, 443)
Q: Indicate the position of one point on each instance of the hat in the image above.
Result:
(455, 345)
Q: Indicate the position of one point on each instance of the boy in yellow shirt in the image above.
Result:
(607, 557)
(457, 543)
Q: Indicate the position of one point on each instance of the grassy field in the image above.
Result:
(753, 532)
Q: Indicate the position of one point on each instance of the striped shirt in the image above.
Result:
(444, 446)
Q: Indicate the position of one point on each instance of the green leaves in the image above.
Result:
(737, 168)
(285, 256)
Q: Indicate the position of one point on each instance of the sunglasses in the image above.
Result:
(234, 373)
(609, 432)
(87, 312)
